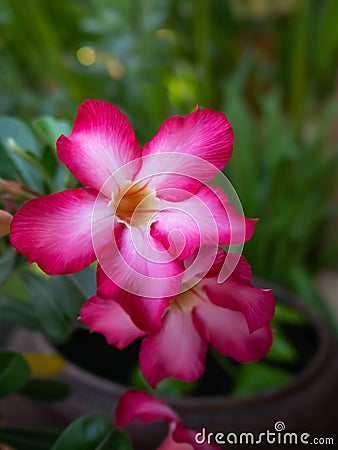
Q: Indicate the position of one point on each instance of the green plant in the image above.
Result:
(287, 179)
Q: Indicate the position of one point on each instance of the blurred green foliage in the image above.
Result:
(158, 57)
(85, 433)
(270, 66)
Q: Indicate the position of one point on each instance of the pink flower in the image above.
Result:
(232, 316)
(134, 200)
(141, 405)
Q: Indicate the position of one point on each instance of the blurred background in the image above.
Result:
(271, 66)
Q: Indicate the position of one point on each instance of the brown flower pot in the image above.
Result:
(307, 404)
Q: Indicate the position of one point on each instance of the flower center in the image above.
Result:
(136, 204)
(187, 300)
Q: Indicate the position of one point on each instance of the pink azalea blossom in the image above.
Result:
(232, 316)
(141, 405)
(132, 200)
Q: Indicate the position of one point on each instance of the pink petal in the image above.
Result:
(170, 444)
(241, 272)
(102, 140)
(110, 319)
(198, 265)
(139, 264)
(176, 350)
(227, 331)
(175, 176)
(141, 405)
(106, 288)
(257, 305)
(146, 313)
(204, 133)
(181, 434)
(204, 219)
(55, 231)
(197, 145)
(103, 225)
(236, 293)
(233, 227)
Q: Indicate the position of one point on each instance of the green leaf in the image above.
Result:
(44, 296)
(327, 37)
(28, 439)
(18, 312)
(137, 379)
(118, 440)
(281, 349)
(228, 365)
(6, 264)
(256, 377)
(45, 389)
(14, 372)
(56, 302)
(286, 314)
(90, 432)
(50, 128)
(14, 283)
(243, 165)
(12, 131)
(174, 387)
(20, 132)
(302, 283)
(85, 281)
(169, 386)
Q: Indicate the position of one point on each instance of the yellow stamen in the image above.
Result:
(136, 205)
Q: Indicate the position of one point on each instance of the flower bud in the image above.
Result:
(5, 222)
(12, 188)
